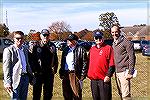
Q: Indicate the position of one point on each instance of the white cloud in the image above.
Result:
(79, 15)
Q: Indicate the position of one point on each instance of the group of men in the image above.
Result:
(38, 64)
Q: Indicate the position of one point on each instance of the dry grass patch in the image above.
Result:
(139, 88)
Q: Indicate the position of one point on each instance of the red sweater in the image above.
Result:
(100, 61)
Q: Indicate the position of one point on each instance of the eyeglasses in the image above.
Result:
(45, 35)
(97, 37)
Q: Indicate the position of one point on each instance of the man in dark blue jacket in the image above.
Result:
(44, 63)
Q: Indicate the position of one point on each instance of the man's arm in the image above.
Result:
(55, 59)
(6, 69)
(131, 54)
(55, 62)
(85, 65)
(111, 69)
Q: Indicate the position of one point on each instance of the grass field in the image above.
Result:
(139, 88)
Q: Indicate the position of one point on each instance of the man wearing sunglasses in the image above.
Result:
(44, 63)
(16, 68)
(101, 68)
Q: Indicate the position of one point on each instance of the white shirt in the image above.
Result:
(22, 59)
(69, 65)
(116, 42)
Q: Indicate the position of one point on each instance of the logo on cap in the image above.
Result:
(98, 34)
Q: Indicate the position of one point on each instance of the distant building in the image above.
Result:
(137, 32)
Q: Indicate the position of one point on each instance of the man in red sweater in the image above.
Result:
(101, 68)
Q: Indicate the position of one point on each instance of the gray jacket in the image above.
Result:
(124, 55)
(12, 67)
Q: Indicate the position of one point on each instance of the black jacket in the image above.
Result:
(80, 62)
(43, 58)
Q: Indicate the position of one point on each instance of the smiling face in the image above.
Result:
(115, 31)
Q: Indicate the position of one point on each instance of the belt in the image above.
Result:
(23, 74)
(71, 71)
(38, 73)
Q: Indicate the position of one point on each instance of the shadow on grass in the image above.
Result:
(148, 58)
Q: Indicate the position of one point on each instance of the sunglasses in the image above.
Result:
(18, 38)
(45, 35)
(98, 37)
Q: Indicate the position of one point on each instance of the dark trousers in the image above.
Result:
(21, 92)
(101, 90)
(71, 87)
(45, 81)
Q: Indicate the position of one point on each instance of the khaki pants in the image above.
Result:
(71, 87)
(123, 86)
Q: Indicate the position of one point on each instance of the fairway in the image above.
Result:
(139, 84)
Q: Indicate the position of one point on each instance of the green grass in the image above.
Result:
(139, 86)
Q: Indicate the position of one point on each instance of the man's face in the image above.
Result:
(44, 38)
(115, 32)
(18, 40)
(71, 43)
(98, 40)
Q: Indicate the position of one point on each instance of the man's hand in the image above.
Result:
(32, 79)
(82, 78)
(106, 79)
(129, 76)
(9, 90)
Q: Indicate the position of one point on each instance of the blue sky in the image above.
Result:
(28, 15)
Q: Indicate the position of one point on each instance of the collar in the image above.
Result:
(21, 47)
(42, 44)
(120, 39)
(72, 48)
(100, 46)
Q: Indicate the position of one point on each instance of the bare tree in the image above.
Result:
(107, 20)
(59, 28)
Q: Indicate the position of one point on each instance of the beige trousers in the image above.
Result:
(123, 86)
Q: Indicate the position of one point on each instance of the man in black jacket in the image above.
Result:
(44, 63)
(73, 69)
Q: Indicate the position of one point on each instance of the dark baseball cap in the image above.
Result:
(45, 31)
(98, 34)
(72, 37)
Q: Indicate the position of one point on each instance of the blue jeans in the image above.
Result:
(21, 92)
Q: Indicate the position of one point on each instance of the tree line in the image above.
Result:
(60, 30)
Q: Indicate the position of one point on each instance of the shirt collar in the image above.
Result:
(21, 47)
(72, 48)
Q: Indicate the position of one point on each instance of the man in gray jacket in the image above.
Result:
(16, 68)
(124, 57)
